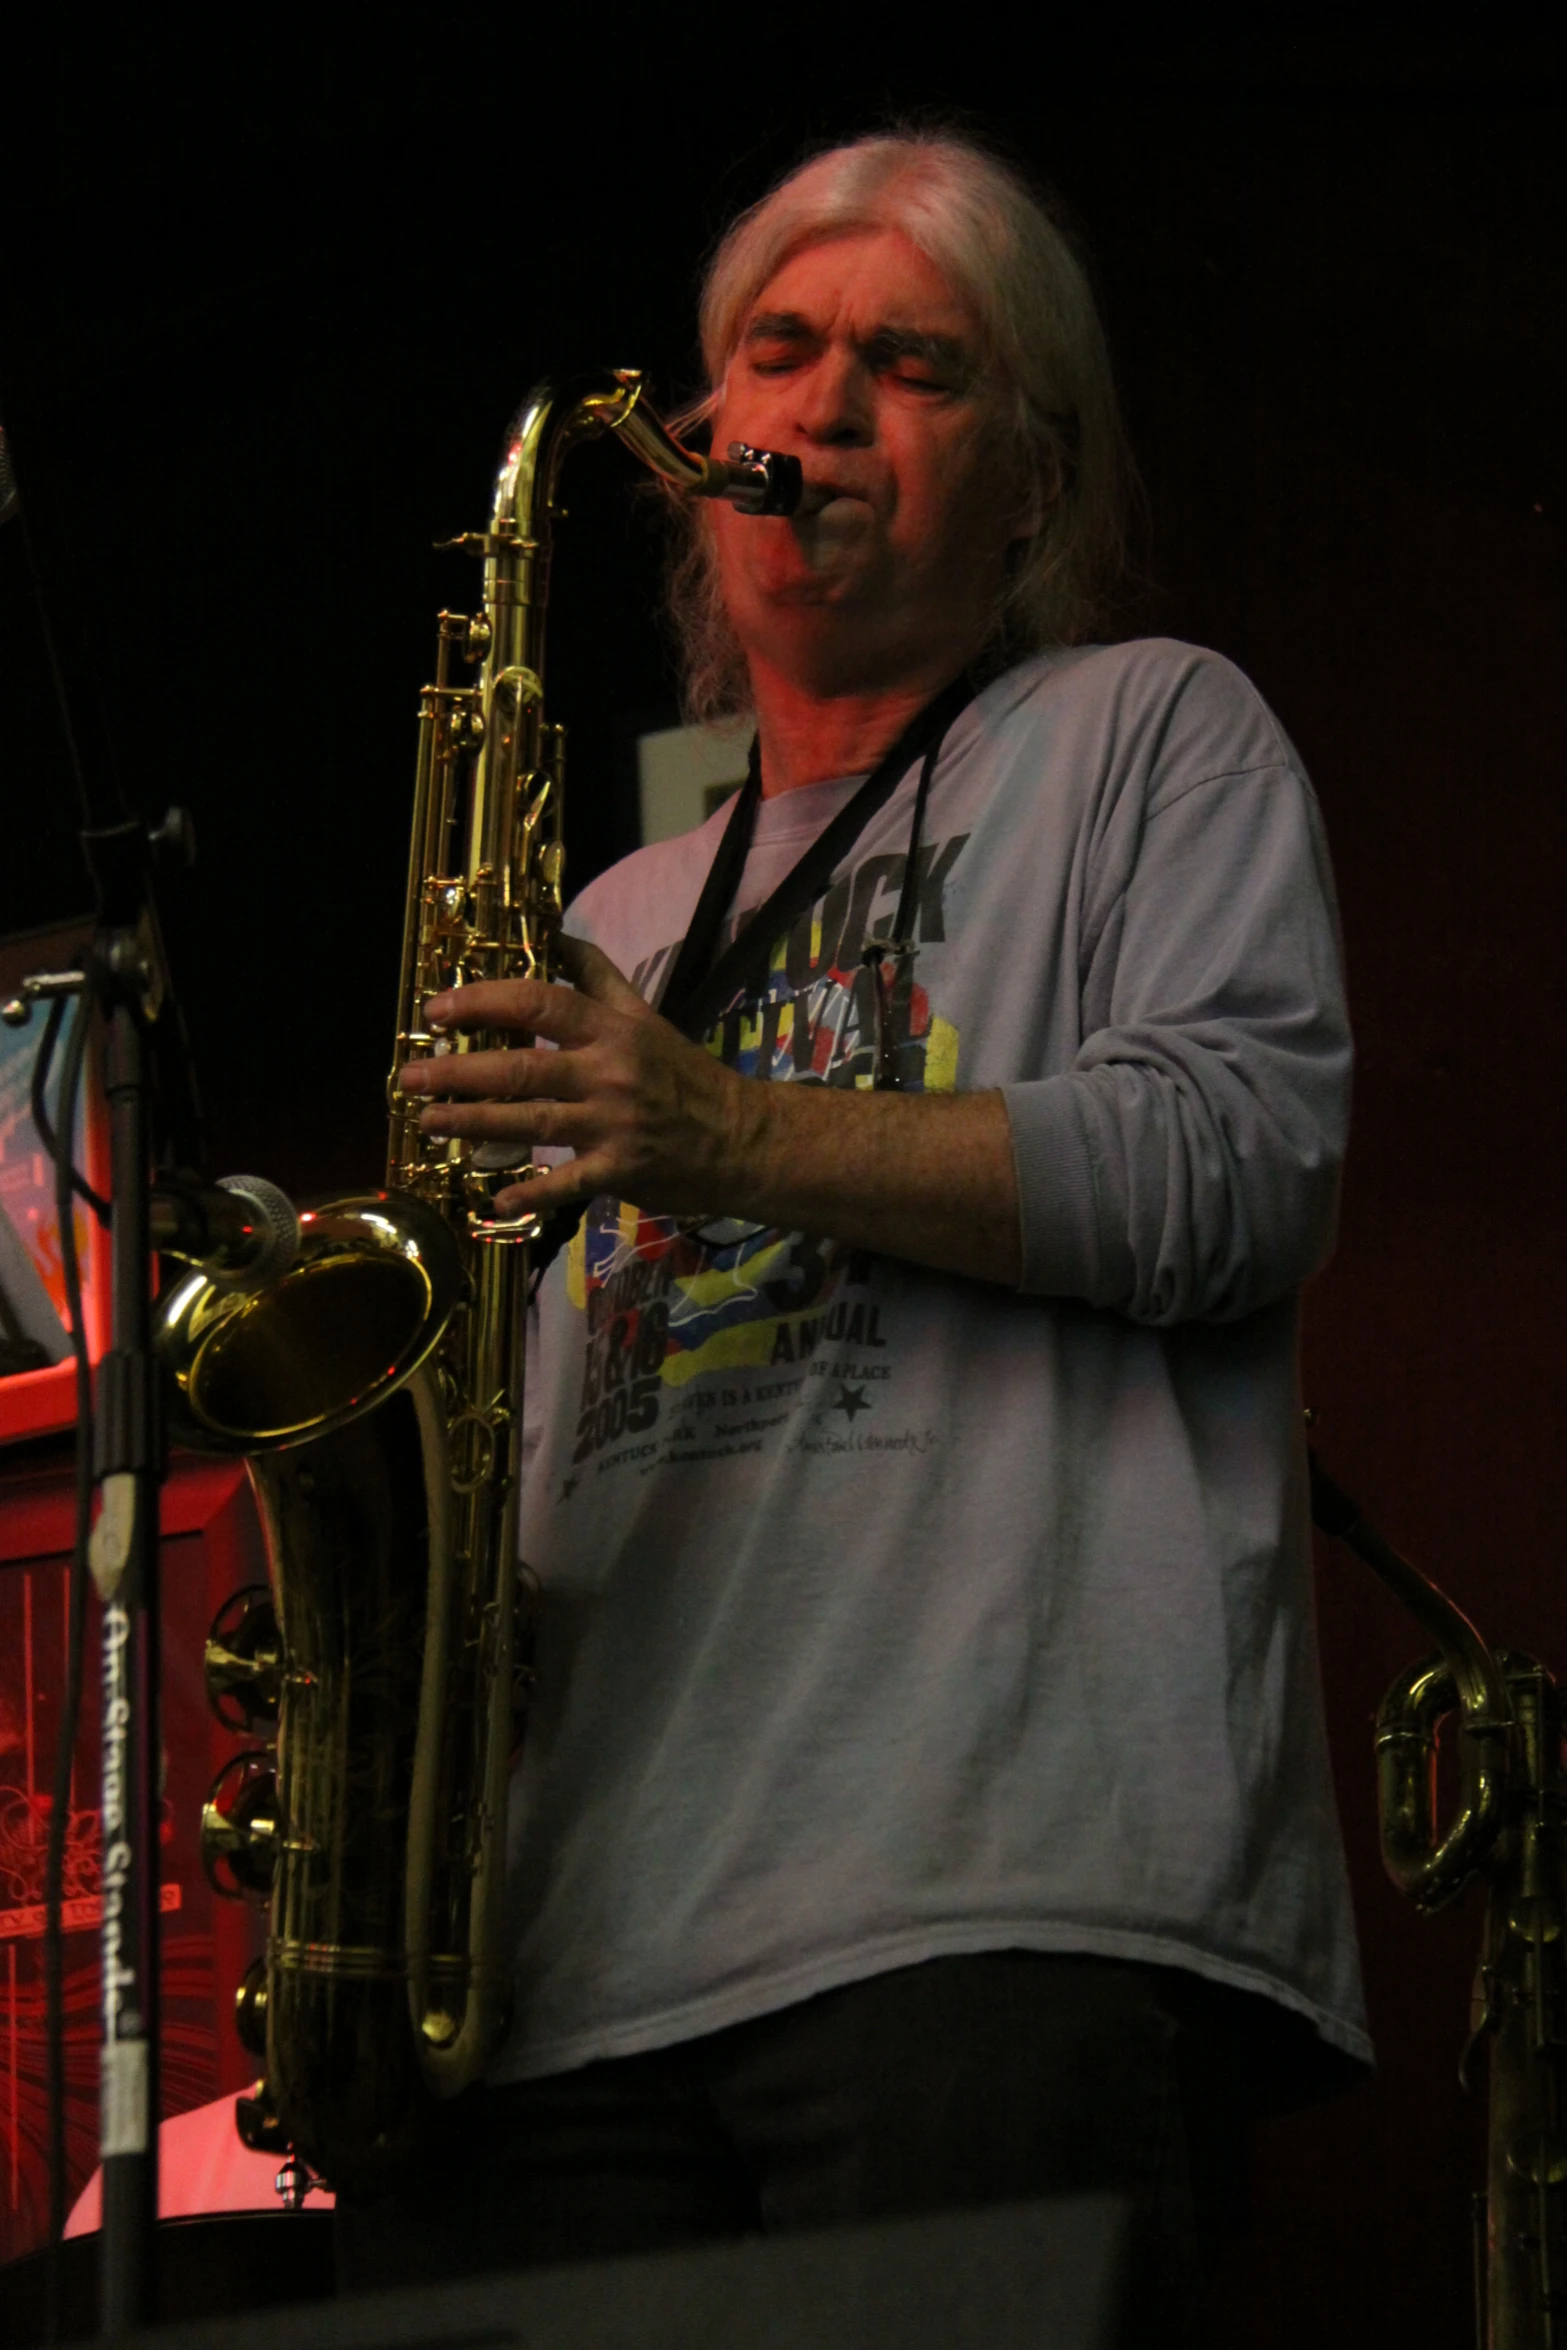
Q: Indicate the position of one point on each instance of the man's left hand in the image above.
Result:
(650, 1116)
(657, 1120)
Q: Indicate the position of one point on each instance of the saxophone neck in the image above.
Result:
(549, 424)
(753, 481)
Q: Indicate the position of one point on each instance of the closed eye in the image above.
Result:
(924, 363)
(776, 341)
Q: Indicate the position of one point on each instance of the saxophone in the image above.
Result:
(375, 1391)
(1508, 1830)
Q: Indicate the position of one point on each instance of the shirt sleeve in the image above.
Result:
(1186, 1166)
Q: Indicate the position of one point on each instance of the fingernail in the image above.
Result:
(435, 1122)
(413, 1079)
(438, 1008)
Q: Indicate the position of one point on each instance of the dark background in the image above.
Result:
(264, 325)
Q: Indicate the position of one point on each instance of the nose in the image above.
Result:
(832, 402)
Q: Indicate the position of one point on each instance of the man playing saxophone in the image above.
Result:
(926, 1799)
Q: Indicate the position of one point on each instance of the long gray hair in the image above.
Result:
(1012, 266)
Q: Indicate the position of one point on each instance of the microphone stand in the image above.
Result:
(128, 1469)
(125, 984)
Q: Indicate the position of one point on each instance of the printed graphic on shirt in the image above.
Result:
(816, 1018)
(720, 1338)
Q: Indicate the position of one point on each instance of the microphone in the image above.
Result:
(241, 1229)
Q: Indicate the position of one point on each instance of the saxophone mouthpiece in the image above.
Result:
(761, 481)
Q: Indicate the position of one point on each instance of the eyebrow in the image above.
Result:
(888, 343)
(776, 326)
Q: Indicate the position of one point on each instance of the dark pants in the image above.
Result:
(965, 2080)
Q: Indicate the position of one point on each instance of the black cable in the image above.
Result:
(898, 949)
(41, 1120)
(71, 1695)
(100, 766)
(557, 1228)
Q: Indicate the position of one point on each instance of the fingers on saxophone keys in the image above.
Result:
(493, 1003)
(494, 1121)
(502, 1076)
(567, 1186)
(537, 1005)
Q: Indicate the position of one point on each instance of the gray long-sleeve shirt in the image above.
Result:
(889, 1614)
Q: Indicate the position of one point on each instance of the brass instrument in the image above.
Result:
(1508, 1831)
(375, 1390)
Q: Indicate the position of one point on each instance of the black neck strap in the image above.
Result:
(699, 989)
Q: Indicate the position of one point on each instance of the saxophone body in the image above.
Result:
(375, 1390)
(1507, 1830)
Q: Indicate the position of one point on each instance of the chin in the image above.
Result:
(792, 581)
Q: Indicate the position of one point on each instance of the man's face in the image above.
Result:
(857, 358)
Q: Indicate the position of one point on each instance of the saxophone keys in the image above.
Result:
(256, 2119)
(250, 2008)
(243, 1660)
(240, 1827)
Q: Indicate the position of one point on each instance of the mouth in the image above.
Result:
(819, 495)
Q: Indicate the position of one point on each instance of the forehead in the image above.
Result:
(864, 278)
